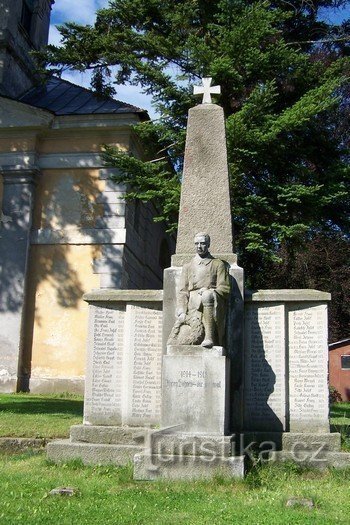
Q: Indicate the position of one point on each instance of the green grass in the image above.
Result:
(340, 422)
(108, 495)
(39, 416)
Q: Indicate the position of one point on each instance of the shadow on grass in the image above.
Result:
(42, 405)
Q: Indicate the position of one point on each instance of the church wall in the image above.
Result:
(83, 235)
(61, 270)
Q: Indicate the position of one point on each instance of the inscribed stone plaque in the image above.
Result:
(264, 369)
(142, 364)
(194, 393)
(103, 383)
(308, 368)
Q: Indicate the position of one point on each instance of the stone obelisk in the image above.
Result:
(205, 193)
(196, 386)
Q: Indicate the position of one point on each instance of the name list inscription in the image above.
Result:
(265, 367)
(144, 362)
(104, 374)
(308, 365)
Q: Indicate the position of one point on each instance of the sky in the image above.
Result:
(84, 12)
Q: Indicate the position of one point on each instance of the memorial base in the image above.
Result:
(195, 390)
(313, 450)
(152, 467)
(187, 456)
(99, 445)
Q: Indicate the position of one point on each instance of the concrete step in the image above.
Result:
(64, 450)
(110, 435)
(321, 459)
(155, 466)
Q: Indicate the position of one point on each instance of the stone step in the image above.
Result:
(155, 466)
(64, 450)
(109, 435)
(320, 459)
(190, 444)
(287, 441)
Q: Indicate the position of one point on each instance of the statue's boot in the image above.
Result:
(208, 323)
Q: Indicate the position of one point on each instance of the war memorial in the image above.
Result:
(198, 378)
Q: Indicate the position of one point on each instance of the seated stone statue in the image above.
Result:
(201, 303)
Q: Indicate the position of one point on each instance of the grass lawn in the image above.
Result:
(108, 495)
(39, 416)
(340, 422)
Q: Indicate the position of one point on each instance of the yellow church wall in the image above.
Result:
(67, 199)
(60, 274)
(84, 142)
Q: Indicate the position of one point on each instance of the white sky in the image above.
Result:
(83, 12)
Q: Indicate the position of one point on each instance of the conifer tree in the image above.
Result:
(284, 80)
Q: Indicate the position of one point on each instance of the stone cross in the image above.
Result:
(206, 90)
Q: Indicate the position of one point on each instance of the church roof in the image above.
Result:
(64, 98)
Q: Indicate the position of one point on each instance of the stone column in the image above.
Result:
(15, 226)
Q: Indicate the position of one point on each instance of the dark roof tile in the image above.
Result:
(64, 98)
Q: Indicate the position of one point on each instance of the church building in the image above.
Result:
(65, 227)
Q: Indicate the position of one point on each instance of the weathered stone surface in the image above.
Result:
(287, 295)
(285, 364)
(205, 182)
(123, 296)
(123, 376)
(264, 378)
(64, 491)
(154, 467)
(321, 459)
(300, 502)
(103, 381)
(290, 441)
(196, 350)
(9, 444)
(194, 393)
(108, 435)
(171, 281)
(185, 444)
(308, 368)
(61, 451)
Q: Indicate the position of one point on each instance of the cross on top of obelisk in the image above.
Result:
(207, 90)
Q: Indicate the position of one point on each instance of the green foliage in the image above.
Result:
(318, 262)
(285, 92)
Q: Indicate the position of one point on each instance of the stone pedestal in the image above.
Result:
(195, 390)
(285, 363)
(123, 378)
(193, 442)
(187, 456)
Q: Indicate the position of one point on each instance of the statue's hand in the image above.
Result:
(201, 290)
